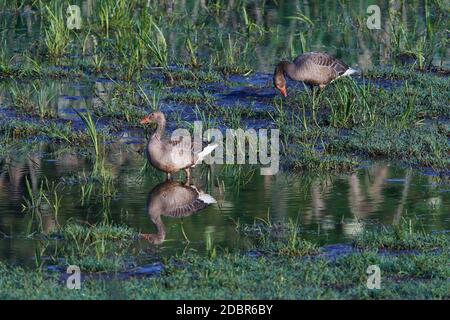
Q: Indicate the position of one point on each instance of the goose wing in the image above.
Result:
(175, 199)
(183, 201)
(187, 209)
(178, 150)
(316, 60)
(186, 144)
(182, 143)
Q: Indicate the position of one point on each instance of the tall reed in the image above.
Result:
(56, 35)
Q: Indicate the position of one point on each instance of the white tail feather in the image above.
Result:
(206, 198)
(208, 149)
(349, 72)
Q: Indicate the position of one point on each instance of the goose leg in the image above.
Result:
(314, 97)
(188, 176)
(318, 91)
(313, 90)
(156, 238)
(319, 88)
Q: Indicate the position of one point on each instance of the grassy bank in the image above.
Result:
(347, 123)
(138, 57)
(279, 265)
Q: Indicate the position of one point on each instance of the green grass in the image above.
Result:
(349, 122)
(232, 58)
(57, 35)
(194, 97)
(273, 274)
(240, 277)
(61, 132)
(402, 237)
(279, 239)
(92, 233)
(420, 146)
(194, 78)
(157, 45)
(94, 248)
(91, 129)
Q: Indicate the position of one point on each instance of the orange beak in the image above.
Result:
(283, 91)
(145, 120)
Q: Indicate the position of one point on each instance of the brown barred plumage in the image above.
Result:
(312, 68)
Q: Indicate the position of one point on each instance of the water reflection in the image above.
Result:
(176, 200)
(13, 171)
(363, 205)
(330, 209)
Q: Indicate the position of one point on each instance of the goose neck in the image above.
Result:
(160, 128)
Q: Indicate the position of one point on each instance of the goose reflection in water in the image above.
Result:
(173, 199)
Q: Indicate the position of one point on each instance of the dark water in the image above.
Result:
(330, 209)
(275, 28)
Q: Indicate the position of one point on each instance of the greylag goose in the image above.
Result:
(312, 68)
(169, 155)
(176, 200)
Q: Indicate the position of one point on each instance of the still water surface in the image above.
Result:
(331, 209)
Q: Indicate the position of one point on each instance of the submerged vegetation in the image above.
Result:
(97, 248)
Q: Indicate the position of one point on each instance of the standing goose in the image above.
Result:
(312, 68)
(169, 155)
(176, 200)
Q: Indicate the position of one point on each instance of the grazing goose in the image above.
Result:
(312, 68)
(169, 155)
(176, 200)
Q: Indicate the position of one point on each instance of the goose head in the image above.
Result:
(153, 117)
(279, 80)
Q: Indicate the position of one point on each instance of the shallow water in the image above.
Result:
(330, 209)
(332, 28)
